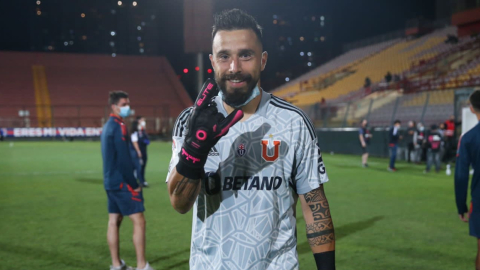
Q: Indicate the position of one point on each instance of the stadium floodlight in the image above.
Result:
(309, 53)
(309, 64)
(302, 53)
(113, 33)
(287, 79)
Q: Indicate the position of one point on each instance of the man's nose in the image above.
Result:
(235, 66)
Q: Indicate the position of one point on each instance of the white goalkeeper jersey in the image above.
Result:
(244, 217)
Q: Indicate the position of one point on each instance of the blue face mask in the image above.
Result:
(255, 93)
(124, 111)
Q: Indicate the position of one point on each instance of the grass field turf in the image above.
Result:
(53, 213)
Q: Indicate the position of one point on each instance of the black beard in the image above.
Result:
(238, 97)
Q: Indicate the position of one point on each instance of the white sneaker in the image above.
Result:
(147, 267)
(121, 267)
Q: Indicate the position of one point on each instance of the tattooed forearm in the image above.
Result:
(320, 233)
(318, 204)
(188, 188)
(320, 229)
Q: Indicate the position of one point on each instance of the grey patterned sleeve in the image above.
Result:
(178, 134)
(311, 172)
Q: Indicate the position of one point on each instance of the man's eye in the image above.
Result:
(223, 57)
(246, 55)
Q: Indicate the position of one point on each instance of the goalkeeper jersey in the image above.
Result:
(244, 216)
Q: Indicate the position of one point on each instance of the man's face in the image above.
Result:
(121, 103)
(237, 60)
(364, 123)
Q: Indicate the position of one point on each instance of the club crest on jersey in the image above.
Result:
(241, 150)
(276, 150)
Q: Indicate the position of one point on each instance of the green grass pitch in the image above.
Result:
(53, 213)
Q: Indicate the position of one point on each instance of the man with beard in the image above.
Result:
(244, 178)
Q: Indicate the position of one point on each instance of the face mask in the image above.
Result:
(143, 124)
(255, 93)
(124, 111)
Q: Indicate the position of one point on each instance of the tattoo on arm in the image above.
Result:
(188, 187)
(321, 231)
(318, 204)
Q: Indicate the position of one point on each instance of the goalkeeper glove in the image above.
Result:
(205, 127)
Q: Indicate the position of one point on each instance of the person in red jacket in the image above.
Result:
(450, 144)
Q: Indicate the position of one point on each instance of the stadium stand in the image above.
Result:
(71, 90)
(334, 66)
(426, 63)
(396, 59)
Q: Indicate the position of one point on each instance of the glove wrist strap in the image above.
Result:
(190, 163)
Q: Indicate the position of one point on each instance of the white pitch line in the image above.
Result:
(48, 173)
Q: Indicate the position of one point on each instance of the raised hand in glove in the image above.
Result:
(205, 127)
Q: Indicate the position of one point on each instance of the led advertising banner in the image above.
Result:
(52, 132)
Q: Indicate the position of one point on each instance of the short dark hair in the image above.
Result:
(236, 19)
(134, 127)
(397, 122)
(475, 100)
(115, 97)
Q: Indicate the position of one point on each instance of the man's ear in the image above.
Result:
(264, 60)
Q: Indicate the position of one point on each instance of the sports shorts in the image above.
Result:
(125, 201)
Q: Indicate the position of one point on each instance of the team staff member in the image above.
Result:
(394, 137)
(469, 155)
(364, 137)
(143, 142)
(123, 192)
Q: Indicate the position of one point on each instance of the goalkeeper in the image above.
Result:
(244, 178)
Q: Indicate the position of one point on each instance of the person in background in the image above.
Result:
(441, 129)
(135, 151)
(364, 137)
(450, 144)
(124, 194)
(394, 138)
(1, 134)
(143, 142)
(420, 150)
(433, 145)
(469, 155)
(411, 140)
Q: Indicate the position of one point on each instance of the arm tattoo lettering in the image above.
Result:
(188, 187)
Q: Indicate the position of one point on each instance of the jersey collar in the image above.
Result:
(116, 117)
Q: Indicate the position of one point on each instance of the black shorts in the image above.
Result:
(125, 201)
(364, 149)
